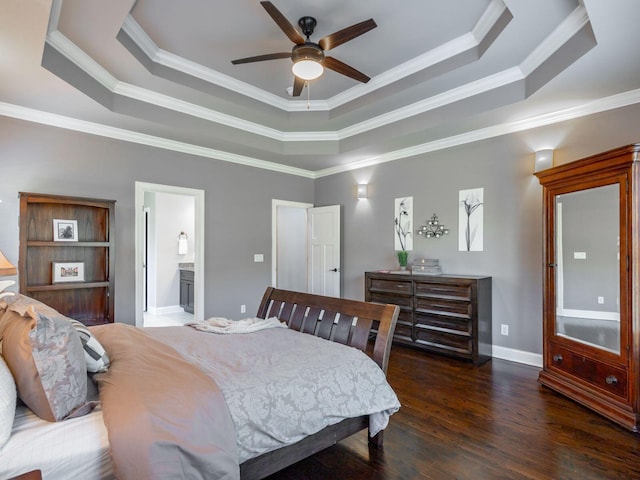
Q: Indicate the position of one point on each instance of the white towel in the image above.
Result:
(182, 246)
(246, 325)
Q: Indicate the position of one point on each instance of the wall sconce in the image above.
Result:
(433, 228)
(6, 270)
(362, 191)
(182, 244)
(544, 160)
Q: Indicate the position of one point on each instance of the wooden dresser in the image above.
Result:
(441, 313)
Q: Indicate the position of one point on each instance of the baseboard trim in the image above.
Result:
(519, 356)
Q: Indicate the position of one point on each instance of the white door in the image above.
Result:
(323, 260)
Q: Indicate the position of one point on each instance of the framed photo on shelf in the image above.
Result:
(65, 230)
(68, 272)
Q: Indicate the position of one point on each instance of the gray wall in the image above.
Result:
(238, 208)
(503, 166)
(37, 158)
(512, 225)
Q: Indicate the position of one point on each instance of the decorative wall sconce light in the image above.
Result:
(182, 244)
(544, 160)
(7, 269)
(433, 228)
(362, 191)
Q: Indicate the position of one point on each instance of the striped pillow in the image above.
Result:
(94, 353)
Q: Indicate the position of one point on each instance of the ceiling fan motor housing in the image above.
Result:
(307, 51)
(307, 24)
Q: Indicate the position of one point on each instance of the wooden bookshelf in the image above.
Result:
(90, 298)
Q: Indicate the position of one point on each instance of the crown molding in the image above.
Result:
(78, 57)
(488, 20)
(175, 62)
(69, 123)
(604, 104)
(448, 97)
(568, 28)
(83, 61)
(597, 106)
(572, 24)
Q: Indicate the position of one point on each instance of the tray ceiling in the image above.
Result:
(442, 73)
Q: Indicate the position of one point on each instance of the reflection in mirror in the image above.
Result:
(587, 252)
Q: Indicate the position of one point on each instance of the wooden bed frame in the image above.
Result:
(349, 322)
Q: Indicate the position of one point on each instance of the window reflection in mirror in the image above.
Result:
(587, 272)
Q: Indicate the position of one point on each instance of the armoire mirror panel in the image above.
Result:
(587, 252)
(591, 309)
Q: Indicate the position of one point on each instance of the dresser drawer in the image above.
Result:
(444, 305)
(403, 331)
(612, 380)
(443, 340)
(449, 323)
(446, 290)
(396, 286)
(394, 299)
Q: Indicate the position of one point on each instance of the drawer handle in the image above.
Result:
(557, 358)
(611, 380)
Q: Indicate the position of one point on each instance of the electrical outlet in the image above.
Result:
(600, 300)
(243, 308)
(504, 329)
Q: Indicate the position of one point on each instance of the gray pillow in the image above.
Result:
(46, 358)
(95, 355)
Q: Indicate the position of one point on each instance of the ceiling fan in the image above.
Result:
(308, 57)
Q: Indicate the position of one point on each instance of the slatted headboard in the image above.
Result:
(349, 322)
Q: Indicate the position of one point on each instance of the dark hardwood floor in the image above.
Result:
(491, 422)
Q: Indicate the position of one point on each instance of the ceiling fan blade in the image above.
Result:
(284, 24)
(298, 84)
(346, 34)
(341, 67)
(262, 58)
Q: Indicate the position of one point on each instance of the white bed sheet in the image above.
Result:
(76, 448)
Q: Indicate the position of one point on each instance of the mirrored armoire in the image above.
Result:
(592, 283)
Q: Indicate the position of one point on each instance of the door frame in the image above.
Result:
(198, 256)
(275, 203)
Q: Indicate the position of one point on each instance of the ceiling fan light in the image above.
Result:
(307, 69)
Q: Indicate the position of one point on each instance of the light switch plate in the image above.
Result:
(579, 255)
(258, 257)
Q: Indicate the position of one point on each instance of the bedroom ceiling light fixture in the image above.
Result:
(544, 159)
(362, 191)
(309, 59)
(433, 228)
(7, 269)
(307, 69)
(307, 62)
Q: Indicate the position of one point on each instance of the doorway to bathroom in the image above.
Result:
(169, 254)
